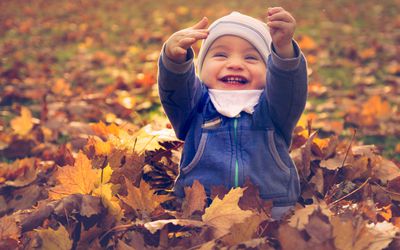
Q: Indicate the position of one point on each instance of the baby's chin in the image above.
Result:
(231, 86)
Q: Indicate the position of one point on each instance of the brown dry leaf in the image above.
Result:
(78, 179)
(143, 198)
(360, 168)
(20, 173)
(351, 233)
(384, 169)
(301, 216)
(23, 123)
(55, 239)
(223, 214)
(195, 199)
(318, 180)
(244, 231)
(154, 226)
(9, 228)
(290, 238)
(319, 228)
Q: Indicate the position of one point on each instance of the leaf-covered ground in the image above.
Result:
(87, 158)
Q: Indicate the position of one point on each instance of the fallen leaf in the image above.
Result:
(195, 199)
(23, 124)
(301, 216)
(349, 234)
(55, 239)
(9, 228)
(107, 193)
(143, 198)
(154, 226)
(223, 214)
(290, 238)
(78, 179)
(383, 234)
(384, 169)
(245, 231)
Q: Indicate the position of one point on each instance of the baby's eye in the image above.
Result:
(251, 57)
(220, 55)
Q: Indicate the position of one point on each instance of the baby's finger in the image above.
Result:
(278, 25)
(198, 35)
(202, 24)
(185, 43)
(178, 51)
(273, 10)
(281, 16)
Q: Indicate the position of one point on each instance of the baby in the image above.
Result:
(237, 116)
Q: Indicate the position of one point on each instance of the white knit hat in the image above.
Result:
(243, 26)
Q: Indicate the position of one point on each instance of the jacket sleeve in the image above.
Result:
(286, 91)
(179, 89)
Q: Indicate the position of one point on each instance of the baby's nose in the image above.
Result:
(235, 64)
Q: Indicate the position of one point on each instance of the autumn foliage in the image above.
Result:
(88, 161)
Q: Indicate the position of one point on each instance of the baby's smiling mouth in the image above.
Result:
(234, 79)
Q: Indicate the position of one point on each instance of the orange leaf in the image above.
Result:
(223, 214)
(103, 130)
(22, 124)
(368, 53)
(307, 43)
(61, 87)
(78, 179)
(386, 212)
(143, 198)
(375, 109)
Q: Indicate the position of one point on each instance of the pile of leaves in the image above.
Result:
(70, 181)
(115, 194)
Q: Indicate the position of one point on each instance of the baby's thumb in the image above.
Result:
(202, 24)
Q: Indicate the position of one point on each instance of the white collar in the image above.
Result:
(231, 102)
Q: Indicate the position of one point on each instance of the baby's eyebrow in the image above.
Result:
(220, 46)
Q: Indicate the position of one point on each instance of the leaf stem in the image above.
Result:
(347, 195)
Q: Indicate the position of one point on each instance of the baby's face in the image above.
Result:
(232, 63)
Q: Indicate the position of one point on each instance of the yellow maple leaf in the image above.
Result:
(78, 179)
(143, 198)
(101, 147)
(223, 214)
(107, 194)
(55, 239)
(22, 124)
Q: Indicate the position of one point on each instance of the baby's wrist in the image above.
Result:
(285, 50)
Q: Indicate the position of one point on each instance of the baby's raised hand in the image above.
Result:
(178, 43)
(282, 26)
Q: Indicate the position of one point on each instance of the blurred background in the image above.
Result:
(72, 63)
